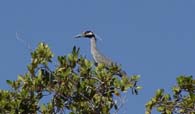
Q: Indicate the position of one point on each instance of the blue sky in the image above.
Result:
(152, 38)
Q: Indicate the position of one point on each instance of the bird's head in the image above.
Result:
(86, 34)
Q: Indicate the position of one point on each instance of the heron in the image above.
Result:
(96, 54)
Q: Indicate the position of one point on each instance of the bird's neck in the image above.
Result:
(93, 42)
(93, 45)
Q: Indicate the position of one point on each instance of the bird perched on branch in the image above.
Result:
(97, 55)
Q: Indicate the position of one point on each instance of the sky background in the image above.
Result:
(152, 38)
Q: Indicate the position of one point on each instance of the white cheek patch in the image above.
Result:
(90, 33)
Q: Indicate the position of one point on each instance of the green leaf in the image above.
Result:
(167, 97)
(20, 78)
(159, 92)
(176, 89)
(161, 109)
(9, 82)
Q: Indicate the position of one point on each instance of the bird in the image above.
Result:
(96, 54)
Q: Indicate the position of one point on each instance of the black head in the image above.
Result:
(86, 34)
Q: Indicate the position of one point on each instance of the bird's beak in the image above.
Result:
(79, 36)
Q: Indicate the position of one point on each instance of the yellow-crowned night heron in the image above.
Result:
(97, 55)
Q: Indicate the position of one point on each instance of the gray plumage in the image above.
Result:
(97, 55)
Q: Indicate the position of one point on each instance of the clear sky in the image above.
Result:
(152, 38)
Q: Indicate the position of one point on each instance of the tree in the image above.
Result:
(75, 83)
(181, 102)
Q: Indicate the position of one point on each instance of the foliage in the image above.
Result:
(182, 101)
(75, 84)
